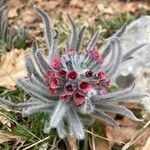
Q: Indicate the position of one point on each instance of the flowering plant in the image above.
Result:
(74, 85)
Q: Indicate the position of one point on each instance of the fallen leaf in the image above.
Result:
(147, 145)
(5, 137)
(14, 3)
(12, 13)
(143, 140)
(12, 67)
(107, 10)
(51, 5)
(77, 3)
(101, 145)
(123, 134)
(6, 122)
(28, 17)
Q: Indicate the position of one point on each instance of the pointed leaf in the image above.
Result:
(104, 117)
(118, 109)
(59, 114)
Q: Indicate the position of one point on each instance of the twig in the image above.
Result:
(103, 137)
(40, 141)
(20, 145)
(93, 140)
(53, 144)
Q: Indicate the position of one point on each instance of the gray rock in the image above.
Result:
(137, 32)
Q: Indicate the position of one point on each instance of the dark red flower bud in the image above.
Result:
(101, 75)
(69, 88)
(54, 84)
(95, 54)
(98, 83)
(56, 63)
(65, 97)
(89, 74)
(53, 91)
(61, 73)
(48, 73)
(79, 99)
(85, 86)
(72, 75)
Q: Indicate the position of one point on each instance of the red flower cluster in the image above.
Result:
(70, 86)
(66, 83)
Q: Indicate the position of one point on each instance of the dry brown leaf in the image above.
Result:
(28, 17)
(5, 137)
(12, 67)
(120, 134)
(12, 13)
(126, 122)
(5, 121)
(50, 5)
(77, 7)
(77, 3)
(14, 3)
(101, 145)
(147, 145)
(143, 140)
(107, 10)
(127, 134)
